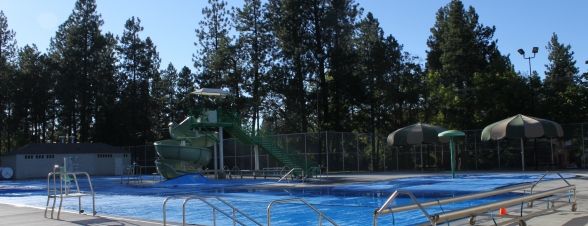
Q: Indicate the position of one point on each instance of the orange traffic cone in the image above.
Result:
(502, 211)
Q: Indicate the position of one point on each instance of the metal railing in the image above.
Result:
(65, 179)
(215, 209)
(290, 173)
(320, 214)
(472, 212)
(134, 172)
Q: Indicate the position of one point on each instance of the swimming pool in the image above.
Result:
(347, 204)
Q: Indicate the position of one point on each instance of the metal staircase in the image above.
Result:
(232, 125)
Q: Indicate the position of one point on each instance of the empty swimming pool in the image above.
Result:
(346, 203)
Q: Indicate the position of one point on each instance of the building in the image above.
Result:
(36, 160)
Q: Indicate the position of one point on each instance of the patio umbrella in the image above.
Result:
(520, 127)
(419, 133)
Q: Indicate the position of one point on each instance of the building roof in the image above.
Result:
(77, 148)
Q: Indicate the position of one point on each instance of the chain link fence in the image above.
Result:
(358, 152)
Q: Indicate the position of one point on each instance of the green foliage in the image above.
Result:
(292, 66)
(460, 49)
(566, 97)
(138, 68)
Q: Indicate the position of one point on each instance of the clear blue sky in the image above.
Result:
(171, 24)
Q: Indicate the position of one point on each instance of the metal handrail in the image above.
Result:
(321, 215)
(288, 173)
(392, 197)
(496, 205)
(64, 192)
(214, 210)
(385, 210)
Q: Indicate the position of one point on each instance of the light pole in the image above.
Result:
(522, 52)
(534, 51)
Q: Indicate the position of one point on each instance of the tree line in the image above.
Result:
(291, 66)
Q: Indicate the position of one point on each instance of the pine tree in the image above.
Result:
(7, 70)
(32, 98)
(185, 101)
(139, 64)
(170, 84)
(77, 49)
(289, 25)
(459, 48)
(565, 97)
(213, 41)
(255, 46)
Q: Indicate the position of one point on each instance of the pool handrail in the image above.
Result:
(64, 191)
(471, 211)
(289, 173)
(385, 210)
(320, 214)
(234, 209)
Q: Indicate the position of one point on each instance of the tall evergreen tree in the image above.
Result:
(185, 101)
(32, 97)
(459, 47)
(7, 70)
(213, 40)
(106, 127)
(289, 27)
(170, 84)
(77, 49)
(565, 97)
(138, 64)
(255, 44)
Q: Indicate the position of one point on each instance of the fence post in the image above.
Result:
(327, 147)
(476, 149)
(342, 153)
(305, 154)
(583, 147)
(357, 150)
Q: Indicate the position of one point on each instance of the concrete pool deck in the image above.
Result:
(19, 215)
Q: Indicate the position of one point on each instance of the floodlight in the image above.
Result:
(535, 49)
(521, 51)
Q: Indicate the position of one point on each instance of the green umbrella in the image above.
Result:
(451, 134)
(419, 133)
(520, 127)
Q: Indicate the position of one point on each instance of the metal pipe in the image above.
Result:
(318, 212)
(496, 205)
(237, 210)
(382, 209)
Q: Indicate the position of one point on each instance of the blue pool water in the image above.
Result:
(349, 204)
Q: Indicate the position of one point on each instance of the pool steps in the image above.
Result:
(64, 190)
(320, 214)
(215, 209)
(235, 210)
(551, 196)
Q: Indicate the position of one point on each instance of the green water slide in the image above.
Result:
(187, 151)
(290, 160)
(190, 146)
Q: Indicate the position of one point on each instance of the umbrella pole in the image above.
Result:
(551, 145)
(522, 154)
(421, 157)
(451, 151)
(498, 152)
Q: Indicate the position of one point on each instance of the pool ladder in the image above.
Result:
(64, 190)
(235, 210)
(550, 196)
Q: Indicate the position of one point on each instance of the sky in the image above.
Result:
(171, 24)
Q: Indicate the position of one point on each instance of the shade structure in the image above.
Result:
(419, 133)
(520, 127)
